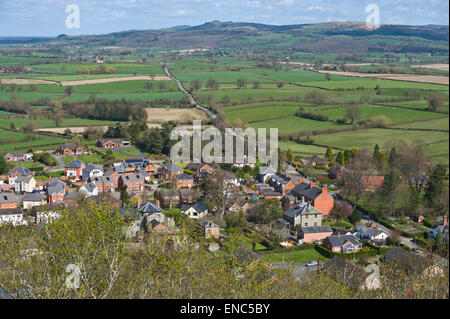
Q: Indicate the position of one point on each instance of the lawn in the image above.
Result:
(127, 96)
(298, 256)
(90, 158)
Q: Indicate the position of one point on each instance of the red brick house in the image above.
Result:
(199, 168)
(133, 181)
(166, 196)
(114, 176)
(111, 143)
(56, 190)
(69, 149)
(14, 157)
(319, 198)
(104, 183)
(169, 171)
(313, 233)
(16, 172)
(8, 200)
(185, 181)
(74, 170)
(281, 183)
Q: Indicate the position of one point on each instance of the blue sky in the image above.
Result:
(48, 17)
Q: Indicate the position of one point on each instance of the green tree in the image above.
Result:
(3, 165)
(124, 196)
(196, 84)
(352, 113)
(376, 153)
(290, 155)
(354, 217)
(212, 84)
(340, 158)
(329, 154)
(347, 155)
(241, 83)
(436, 183)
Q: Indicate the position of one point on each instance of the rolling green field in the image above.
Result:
(50, 123)
(437, 124)
(368, 138)
(396, 115)
(301, 148)
(372, 83)
(11, 141)
(296, 124)
(128, 96)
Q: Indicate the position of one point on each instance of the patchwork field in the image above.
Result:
(183, 115)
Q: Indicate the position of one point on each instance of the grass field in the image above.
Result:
(260, 113)
(296, 124)
(368, 138)
(396, 115)
(372, 83)
(437, 124)
(298, 256)
(127, 96)
(301, 148)
(70, 122)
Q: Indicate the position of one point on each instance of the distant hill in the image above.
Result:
(339, 37)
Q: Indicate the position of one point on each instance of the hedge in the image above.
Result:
(329, 254)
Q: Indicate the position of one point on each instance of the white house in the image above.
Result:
(31, 200)
(265, 172)
(12, 215)
(24, 184)
(89, 189)
(198, 210)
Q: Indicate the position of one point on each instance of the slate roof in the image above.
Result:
(304, 189)
(119, 167)
(132, 177)
(171, 167)
(149, 208)
(20, 170)
(185, 176)
(316, 229)
(75, 163)
(344, 272)
(23, 179)
(301, 209)
(406, 260)
(69, 145)
(89, 168)
(199, 207)
(338, 241)
(8, 198)
(128, 212)
(194, 166)
(34, 197)
(266, 170)
(90, 187)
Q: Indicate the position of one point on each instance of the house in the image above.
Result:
(412, 263)
(210, 230)
(149, 208)
(288, 201)
(11, 215)
(245, 259)
(341, 232)
(45, 214)
(24, 184)
(6, 188)
(14, 157)
(169, 171)
(74, 170)
(31, 200)
(315, 161)
(199, 168)
(133, 181)
(319, 198)
(16, 172)
(311, 234)
(168, 197)
(303, 215)
(441, 229)
(56, 190)
(342, 244)
(270, 194)
(265, 172)
(91, 171)
(114, 176)
(371, 234)
(69, 148)
(185, 181)
(157, 222)
(373, 182)
(8, 200)
(104, 183)
(188, 196)
(89, 189)
(110, 143)
(336, 171)
(345, 273)
(198, 210)
(281, 183)
(138, 164)
(230, 179)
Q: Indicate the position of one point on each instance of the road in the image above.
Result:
(405, 241)
(211, 114)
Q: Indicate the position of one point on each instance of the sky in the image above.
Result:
(48, 17)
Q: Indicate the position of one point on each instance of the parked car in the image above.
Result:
(312, 263)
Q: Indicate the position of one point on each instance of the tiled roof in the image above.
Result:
(20, 170)
(76, 163)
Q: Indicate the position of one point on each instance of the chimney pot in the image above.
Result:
(445, 220)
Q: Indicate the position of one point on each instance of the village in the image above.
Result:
(277, 210)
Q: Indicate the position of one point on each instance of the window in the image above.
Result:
(306, 224)
(315, 224)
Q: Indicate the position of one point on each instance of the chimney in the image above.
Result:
(301, 179)
(313, 184)
(324, 189)
(444, 222)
